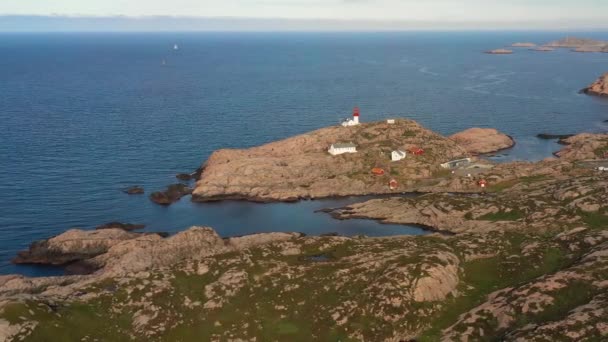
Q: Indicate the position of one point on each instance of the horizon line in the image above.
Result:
(171, 23)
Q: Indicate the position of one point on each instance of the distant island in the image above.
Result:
(499, 52)
(578, 44)
(543, 49)
(573, 43)
(528, 45)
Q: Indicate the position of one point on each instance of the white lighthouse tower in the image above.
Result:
(354, 121)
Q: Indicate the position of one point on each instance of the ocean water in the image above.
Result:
(84, 115)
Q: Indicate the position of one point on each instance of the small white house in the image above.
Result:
(456, 163)
(398, 155)
(390, 121)
(341, 148)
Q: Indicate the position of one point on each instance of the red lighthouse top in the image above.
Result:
(356, 111)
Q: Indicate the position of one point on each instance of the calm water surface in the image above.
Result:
(84, 115)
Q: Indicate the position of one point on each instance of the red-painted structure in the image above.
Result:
(378, 171)
(356, 112)
(417, 151)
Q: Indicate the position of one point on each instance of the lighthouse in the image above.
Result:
(354, 121)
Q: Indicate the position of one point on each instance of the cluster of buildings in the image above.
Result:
(341, 148)
(397, 155)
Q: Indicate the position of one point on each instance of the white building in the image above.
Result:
(456, 163)
(354, 121)
(342, 148)
(398, 155)
(390, 121)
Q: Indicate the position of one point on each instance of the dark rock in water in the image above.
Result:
(162, 234)
(197, 174)
(134, 190)
(553, 136)
(330, 234)
(124, 226)
(184, 176)
(172, 194)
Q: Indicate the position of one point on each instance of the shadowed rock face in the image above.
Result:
(72, 245)
(599, 87)
(482, 140)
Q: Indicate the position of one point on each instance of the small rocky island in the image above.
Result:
(523, 45)
(524, 257)
(599, 87)
(580, 44)
(499, 52)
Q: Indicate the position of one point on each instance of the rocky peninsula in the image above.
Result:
(599, 87)
(301, 168)
(525, 259)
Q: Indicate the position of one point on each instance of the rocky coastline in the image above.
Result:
(532, 246)
(599, 87)
(301, 168)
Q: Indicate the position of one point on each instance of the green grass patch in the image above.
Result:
(595, 220)
(532, 179)
(499, 187)
(484, 276)
(512, 215)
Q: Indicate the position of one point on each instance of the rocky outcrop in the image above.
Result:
(584, 146)
(118, 251)
(72, 245)
(482, 140)
(440, 281)
(599, 87)
(300, 167)
(172, 194)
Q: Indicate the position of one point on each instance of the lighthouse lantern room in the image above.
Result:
(354, 121)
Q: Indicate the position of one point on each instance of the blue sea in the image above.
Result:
(85, 115)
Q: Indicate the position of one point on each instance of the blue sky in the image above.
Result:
(503, 13)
